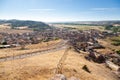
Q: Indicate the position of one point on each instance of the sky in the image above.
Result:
(60, 10)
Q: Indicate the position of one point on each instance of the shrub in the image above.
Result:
(118, 52)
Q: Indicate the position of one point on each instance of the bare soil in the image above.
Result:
(28, 48)
(43, 67)
(15, 31)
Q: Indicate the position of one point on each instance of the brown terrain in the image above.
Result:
(14, 31)
(7, 29)
(57, 60)
(43, 67)
(28, 48)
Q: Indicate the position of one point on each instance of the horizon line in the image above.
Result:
(63, 21)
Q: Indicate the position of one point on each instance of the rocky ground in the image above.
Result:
(43, 67)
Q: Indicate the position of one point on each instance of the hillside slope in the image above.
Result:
(30, 24)
(43, 67)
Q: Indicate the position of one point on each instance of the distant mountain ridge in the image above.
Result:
(29, 23)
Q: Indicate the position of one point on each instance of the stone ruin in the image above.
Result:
(63, 77)
(58, 77)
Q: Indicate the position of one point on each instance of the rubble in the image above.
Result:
(78, 39)
(113, 57)
(101, 59)
(62, 77)
(59, 77)
(112, 66)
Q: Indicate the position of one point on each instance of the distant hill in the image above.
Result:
(99, 22)
(30, 24)
(112, 22)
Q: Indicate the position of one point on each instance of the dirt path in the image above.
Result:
(61, 62)
(59, 46)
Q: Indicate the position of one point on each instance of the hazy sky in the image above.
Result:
(60, 10)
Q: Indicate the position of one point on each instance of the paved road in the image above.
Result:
(59, 46)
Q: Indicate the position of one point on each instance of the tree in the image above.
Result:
(108, 27)
(4, 42)
(115, 29)
(118, 52)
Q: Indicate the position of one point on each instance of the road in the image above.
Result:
(61, 45)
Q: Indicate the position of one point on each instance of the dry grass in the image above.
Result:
(30, 68)
(5, 26)
(42, 67)
(29, 48)
(80, 27)
(107, 43)
(14, 31)
(108, 47)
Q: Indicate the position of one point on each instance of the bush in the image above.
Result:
(118, 52)
(4, 43)
(108, 27)
(56, 38)
(116, 43)
(113, 28)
